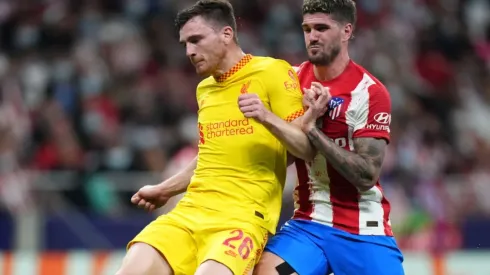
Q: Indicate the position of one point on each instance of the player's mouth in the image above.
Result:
(197, 63)
(314, 50)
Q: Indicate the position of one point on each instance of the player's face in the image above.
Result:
(204, 43)
(323, 38)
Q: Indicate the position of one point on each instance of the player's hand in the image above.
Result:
(316, 100)
(150, 197)
(252, 107)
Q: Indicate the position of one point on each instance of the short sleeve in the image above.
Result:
(373, 117)
(284, 91)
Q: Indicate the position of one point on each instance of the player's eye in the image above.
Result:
(321, 28)
(307, 30)
(194, 40)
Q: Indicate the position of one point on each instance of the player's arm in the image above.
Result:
(179, 182)
(283, 118)
(291, 135)
(362, 166)
(151, 197)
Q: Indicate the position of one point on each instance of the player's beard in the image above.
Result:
(325, 58)
(211, 63)
(202, 72)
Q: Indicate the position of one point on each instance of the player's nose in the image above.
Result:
(190, 51)
(314, 36)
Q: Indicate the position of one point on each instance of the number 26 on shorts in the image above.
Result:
(244, 243)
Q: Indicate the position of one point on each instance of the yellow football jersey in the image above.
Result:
(241, 166)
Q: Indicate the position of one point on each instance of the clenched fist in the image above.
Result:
(150, 197)
(316, 100)
(252, 107)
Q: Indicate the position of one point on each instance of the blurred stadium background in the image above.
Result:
(97, 99)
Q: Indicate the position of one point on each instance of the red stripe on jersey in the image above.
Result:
(345, 204)
(303, 188)
(386, 212)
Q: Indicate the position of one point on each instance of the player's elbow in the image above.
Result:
(297, 154)
(366, 185)
(310, 151)
(306, 153)
(367, 181)
(366, 174)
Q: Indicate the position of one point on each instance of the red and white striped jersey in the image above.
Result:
(360, 107)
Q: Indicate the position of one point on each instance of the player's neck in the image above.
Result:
(229, 61)
(333, 70)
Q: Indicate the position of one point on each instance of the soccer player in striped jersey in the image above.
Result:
(341, 222)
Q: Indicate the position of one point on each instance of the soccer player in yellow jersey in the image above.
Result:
(233, 200)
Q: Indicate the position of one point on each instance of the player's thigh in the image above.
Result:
(213, 267)
(143, 259)
(292, 250)
(271, 264)
(173, 241)
(380, 256)
(233, 250)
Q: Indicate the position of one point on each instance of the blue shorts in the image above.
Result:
(316, 249)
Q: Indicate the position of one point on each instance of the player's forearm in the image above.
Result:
(293, 138)
(178, 183)
(350, 165)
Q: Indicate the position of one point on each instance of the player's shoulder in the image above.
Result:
(266, 62)
(301, 67)
(376, 87)
(304, 69)
(206, 82)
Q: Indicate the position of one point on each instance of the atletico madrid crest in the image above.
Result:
(334, 107)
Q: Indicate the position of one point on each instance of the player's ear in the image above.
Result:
(347, 32)
(228, 34)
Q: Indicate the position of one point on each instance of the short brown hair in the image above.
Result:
(218, 11)
(343, 11)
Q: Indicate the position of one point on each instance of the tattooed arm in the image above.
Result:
(361, 167)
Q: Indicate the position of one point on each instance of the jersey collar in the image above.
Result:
(244, 61)
(341, 77)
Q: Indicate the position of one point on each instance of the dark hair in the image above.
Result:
(343, 11)
(218, 11)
